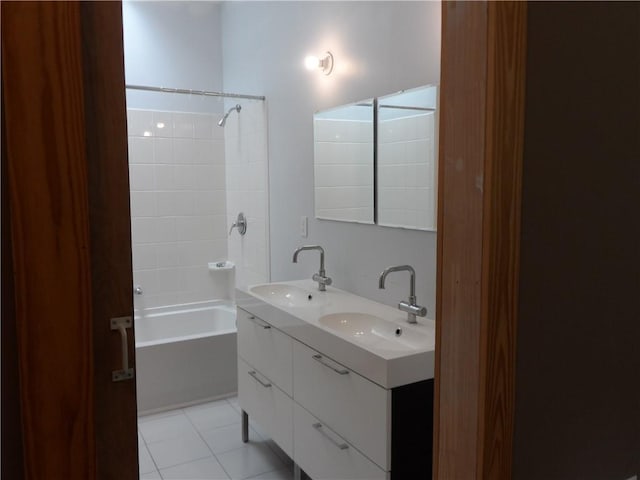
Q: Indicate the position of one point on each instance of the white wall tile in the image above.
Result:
(177, 203)
(218, 152)
(168, 255)
(170, 280)
(203, 152)
(147, 279)
(139, 123)
(198, 253)
(144, 257)
(162, 124)
(194, 228)
(164, 177)
(184, 151)
(183, 125)
(141, 177)
(144, 230)
(185, 177)
(204, 126)
(143, 204)
(140, 150)
(163, 150)
(166, 229)
(210, 202)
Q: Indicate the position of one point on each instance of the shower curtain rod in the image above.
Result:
(185, 91)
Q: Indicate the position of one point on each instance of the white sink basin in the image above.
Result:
(288, 295)
(375, 331)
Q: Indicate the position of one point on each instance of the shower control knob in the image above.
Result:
(240, 224)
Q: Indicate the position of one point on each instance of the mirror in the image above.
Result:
(407, 137)
(343, 163)
(389, 178)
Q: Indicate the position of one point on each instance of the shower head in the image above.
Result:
(223, 120)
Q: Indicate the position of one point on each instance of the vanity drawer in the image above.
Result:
(355, 408)
(323, 454)
(269, 406)
(266, 348)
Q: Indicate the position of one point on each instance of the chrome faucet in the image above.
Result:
(410, 307)
(321, 276)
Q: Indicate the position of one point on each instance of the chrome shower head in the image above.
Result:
(223, 120)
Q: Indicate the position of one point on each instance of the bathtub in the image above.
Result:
(185, 354)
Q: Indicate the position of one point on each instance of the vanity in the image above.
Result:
(342, 384)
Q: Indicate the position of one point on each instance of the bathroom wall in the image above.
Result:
(379, 48)
(578, 357)
(173, 44)
(178, 214)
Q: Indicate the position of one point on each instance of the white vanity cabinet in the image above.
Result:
(332, 421)
(265, 377)
(355, 408)
(323, 454)
(267, 349)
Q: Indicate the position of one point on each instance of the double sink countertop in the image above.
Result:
(372, 339)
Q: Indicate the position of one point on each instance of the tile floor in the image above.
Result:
(204, 442)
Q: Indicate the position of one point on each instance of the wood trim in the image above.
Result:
(110, 228)
(12, 465)
(48, 195)
(461, 163)
(504, 152)
(482, 99)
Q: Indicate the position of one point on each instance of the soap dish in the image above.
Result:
(222, 265)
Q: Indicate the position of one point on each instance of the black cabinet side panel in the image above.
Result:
(412, 431)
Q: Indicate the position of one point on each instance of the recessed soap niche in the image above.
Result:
(375, 160)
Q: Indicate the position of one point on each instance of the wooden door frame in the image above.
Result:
(480, 169)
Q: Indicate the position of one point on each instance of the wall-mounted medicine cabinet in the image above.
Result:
(344, 163)
(375, 161)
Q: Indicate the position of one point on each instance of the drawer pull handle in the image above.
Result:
(341, 446)
(257, 321)
(341, 371)
(255, 377)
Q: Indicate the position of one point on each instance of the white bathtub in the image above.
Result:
(185, 354)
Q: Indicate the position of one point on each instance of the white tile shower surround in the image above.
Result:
(247, 171)
(204, 442)
(178, 212)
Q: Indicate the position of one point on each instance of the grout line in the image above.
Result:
(264, 441)
(144, 441)
(179, 411)
(205, 442)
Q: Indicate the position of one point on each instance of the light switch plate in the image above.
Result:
(304, 222)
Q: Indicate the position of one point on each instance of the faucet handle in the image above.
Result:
(323, 281)
(413, 309)
(240, 224)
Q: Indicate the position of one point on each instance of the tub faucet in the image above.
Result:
(410, 307)
(321, 276)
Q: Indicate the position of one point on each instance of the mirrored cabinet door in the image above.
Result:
(343, 163)
(407, 136)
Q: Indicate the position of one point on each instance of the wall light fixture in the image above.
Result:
(325, 64)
